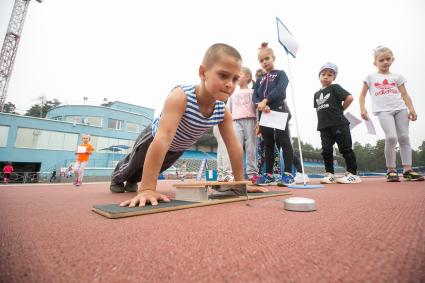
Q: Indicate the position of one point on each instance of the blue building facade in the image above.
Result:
(42, 144)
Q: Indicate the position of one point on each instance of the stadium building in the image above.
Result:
(36, 146)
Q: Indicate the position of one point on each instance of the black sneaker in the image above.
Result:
(117, 188)
(392, 176)
(130, 187)
(412, 176)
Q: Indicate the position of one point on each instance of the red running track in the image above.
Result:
(373, 232)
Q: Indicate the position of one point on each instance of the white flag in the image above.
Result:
(286, 38)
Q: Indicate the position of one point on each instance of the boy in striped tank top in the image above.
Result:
(188, 112)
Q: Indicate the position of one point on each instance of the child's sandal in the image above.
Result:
(413, 176)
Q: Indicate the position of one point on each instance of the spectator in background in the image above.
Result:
(53, 176)
(62, 171)
(69, 172)
(7, 170)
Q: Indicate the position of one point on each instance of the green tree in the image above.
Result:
(9, 108)
(304, 146)
(40, 111)
(419, 155)
(377, 161)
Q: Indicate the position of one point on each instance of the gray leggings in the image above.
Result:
(396, 127)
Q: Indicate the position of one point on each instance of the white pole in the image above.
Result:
(296, 119)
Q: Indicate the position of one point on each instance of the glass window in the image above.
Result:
(114, 124)
(55, 140)
(25, 137)
(133, 127)
(59, 118)
(43, 139)
(70, 141)
(93, 121)
(73, 119)
(4, 133)
(101, 143)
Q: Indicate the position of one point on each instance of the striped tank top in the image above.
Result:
(193, 124)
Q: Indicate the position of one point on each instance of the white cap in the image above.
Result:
(330, 66)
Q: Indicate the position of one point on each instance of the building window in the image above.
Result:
(43, 139)
(115, 124)
(111, 145)
(4, 133)
(133, 127)
(93, 121)
(73, 119)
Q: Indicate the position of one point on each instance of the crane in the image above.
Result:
(10, 46)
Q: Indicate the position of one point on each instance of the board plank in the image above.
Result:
(210, 183)
(114, 211)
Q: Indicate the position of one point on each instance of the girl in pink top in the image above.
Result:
(244, 120)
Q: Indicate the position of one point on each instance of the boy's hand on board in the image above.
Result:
(257, 189)
(143, 197)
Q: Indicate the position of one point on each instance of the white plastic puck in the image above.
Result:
(299, 204)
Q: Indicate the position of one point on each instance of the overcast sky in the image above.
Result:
(137, 51)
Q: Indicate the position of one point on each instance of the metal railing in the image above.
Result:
(27, 177)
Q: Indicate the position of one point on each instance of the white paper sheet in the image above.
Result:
(354, 121)
(286, 38)
(81, 149)
(274, 119)
(370, 127)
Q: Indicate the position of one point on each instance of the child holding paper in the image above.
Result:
(330, 102)
(394, 108)
(83, 154)
(269, 95)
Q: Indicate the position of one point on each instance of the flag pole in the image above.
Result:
(287, 40)
(296, 119)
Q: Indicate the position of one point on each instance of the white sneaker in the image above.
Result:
(349, 178)
(329, 178)
(299, 178)
(226, 178)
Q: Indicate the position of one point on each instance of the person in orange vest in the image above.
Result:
(83, 154)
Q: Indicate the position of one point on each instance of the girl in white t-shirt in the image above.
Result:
(394, 108)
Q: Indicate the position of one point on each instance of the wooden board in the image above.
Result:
(212, 183)
(115, 211)
(201, 191)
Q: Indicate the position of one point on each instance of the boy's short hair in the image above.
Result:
(215, 51)
(329, 66)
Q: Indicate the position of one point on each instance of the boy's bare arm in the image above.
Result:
(363, 111)
(347, 102)
(408, 101)
(233, 146)
(172, 113)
